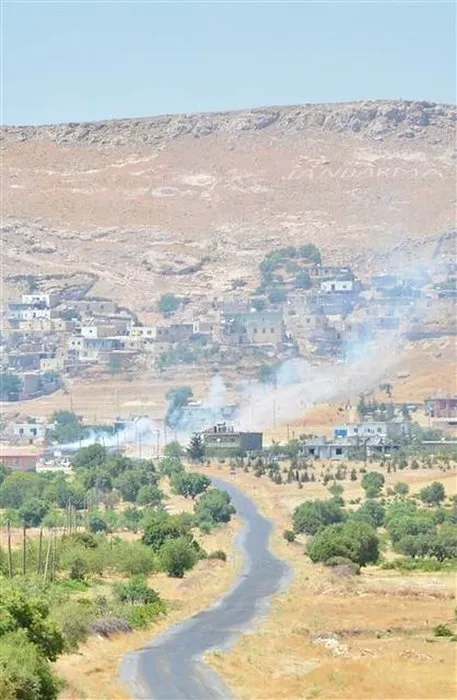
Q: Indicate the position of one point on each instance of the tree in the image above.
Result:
(401, 489)
(310, 252)
(173, 449)
(33, 512)
(150, 496)
(177, 556)
(19, 486)
(289, 535)
(10, 386)
(168, 304)
(259, 304)
(277, 296)
(162, 526)
(97, 523)
(303, 280)
(267, 374)
(433, 494)
(372, 482)
(371, 512)
(135, 591)
(189, 484)
(312, 516)
(214, 506)
(444, 546)
(67, 427)
(196, 449)
(24, 672)
(30, 613)
(92, 456)
(355, 540)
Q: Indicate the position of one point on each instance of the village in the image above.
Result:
(302, 308)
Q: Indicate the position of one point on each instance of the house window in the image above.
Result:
(255, 330)
(339, 451)
(263, 330)
(272, 330)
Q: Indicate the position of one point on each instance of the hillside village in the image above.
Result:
(304, 306)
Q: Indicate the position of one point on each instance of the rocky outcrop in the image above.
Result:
(373, 120)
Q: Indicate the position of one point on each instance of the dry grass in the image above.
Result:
(383, 640)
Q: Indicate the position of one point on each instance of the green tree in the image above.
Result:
(173, 449)
(355, 540)
(87, 457)
(303, 280)
(162, 526)
(189, 484)
(277, 296)
(136, 591)
(67, 427)
(20, 610)
(401, 489)
(214, 506)
(444, 545)
(168, 304)
(312, 516)
(267, 374)
(371, 512)
(33, 512)
(310, 252)
(433, 494)
(259, 304)
(97, 523)
(150, 496)
(18, 487)
(372, 483)
(24, 672)
(196, 449)
(10, 386)
(178, 556)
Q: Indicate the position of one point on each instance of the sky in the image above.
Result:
(78, 61)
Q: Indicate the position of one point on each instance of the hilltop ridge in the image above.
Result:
(376, 119)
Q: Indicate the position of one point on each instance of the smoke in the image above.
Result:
(137, 430)
(300, 385)
(195, 417)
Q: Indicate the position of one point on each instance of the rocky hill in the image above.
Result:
(190, 203)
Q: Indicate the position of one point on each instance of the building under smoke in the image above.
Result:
(223, 438)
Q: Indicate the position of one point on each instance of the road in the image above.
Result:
(170, 667)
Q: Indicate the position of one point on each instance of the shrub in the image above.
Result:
(214, 506)
(24, 673)
(106, 627)
(442, 631)
(73, 618)
(312, 516)
(178, 556)
(218, 554)
(372, 483)
(97, 524)
(352, 540)
(134, 558)
(289, 535)
(136, 590)
(433, 494)
(143, 615)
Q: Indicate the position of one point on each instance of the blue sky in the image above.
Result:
(72, 61)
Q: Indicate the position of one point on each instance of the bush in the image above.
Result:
(97, 524)
(106, 627)
(352, 540)
(73, 618)
(168, 304)
(143, 615)
(289, 535)
(178, 556)
(312, 516)
(373, 482)
(433, 494)
(136, 590)
(24, 673)
(214, 506)
(218, 554)
(443, 631)
(134, 558)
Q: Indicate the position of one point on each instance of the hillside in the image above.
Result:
(188, 203)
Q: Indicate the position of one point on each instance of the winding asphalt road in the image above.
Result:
(170, 667)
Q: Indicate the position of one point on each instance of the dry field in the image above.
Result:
(326, 637)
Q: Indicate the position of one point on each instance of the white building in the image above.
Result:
(30, 430)
(337, 285)
(38, 299)
(144, 332)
